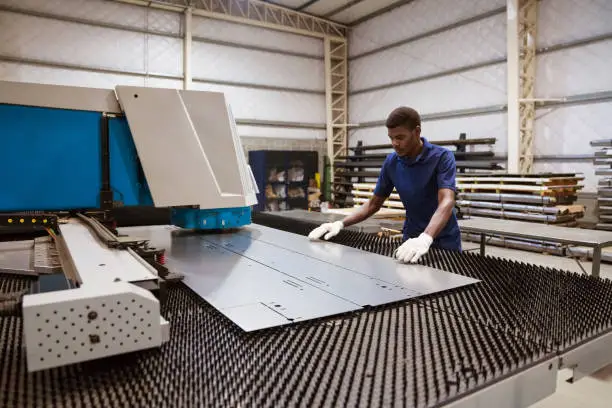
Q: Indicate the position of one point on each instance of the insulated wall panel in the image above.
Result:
(263, 104)
(476, 88)
(564, 130)
(223, 31)
(562, 21)
(226, 63)
(89, 43)
(163, 82)
(360, 9)
(580, 65)
(105, 12)
(575, 71)
(13, 71)
(452, 49)
(280, 132)
(266, 75)
(568, 130)
(164, 55)
(415, 18)
(321, 8)
(56, 41)
(443, 58)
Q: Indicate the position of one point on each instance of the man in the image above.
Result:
(424, 176)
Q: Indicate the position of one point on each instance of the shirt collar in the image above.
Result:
(426, 147)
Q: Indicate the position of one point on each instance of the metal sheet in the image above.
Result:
(255, 316)
(419, 279)
(258, 270)
(244, 290)
(226, 279)
(333, 279)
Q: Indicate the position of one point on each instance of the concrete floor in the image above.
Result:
(590, 392)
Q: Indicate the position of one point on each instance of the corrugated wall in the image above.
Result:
(583, 66)
(274, 81)
(441, 57)
(446, 58)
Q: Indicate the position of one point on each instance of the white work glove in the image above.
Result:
(329, 229)
(413, 249)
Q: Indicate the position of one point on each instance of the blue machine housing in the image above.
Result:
(221, 218)
(51, 160)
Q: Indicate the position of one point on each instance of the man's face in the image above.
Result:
(404, 141)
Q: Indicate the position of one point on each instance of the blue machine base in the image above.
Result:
(218, 218)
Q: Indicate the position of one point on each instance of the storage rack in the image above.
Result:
(544, 197)
(283, 178)
(547, 198)
(602, 161)
(356, 173)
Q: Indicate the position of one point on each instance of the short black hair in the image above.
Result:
(405, 117)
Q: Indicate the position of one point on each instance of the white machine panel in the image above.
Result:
(188, 147)
(99, 265)
(108, 314)
(91, 322)
(58, 96)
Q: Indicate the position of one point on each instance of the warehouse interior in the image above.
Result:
(175, 156)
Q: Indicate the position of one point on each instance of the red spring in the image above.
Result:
(161, 258)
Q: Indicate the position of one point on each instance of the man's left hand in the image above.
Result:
(413, 249)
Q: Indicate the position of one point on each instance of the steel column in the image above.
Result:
(521, 42)
(527, 65)
(513, 64)
(336, 98)
(187, 39)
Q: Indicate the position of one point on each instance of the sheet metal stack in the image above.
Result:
(603, 169)
(545, 198)
(355, 175)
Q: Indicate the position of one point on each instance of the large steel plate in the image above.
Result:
(417, 278)
(261, 277)
(336, 280)
(228, 280)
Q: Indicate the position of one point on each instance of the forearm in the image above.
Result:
(364, 212)
(440, 218)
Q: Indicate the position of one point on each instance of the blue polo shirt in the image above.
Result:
(417, 181)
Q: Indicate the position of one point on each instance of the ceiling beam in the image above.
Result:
(307, 4)
(340, 9)
(380, 12)
(253, 12)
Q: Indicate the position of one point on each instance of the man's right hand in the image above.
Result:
(329, 229)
